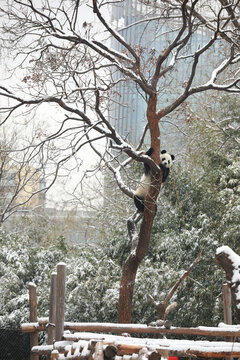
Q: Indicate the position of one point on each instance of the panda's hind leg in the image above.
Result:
(139, 203)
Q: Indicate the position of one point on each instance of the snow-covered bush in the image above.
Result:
(91, 287)
(21, 263)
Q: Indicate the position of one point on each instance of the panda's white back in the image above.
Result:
(144, 186)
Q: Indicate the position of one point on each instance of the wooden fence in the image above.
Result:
(85, 341)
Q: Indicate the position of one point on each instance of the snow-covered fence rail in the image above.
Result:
(226, 331)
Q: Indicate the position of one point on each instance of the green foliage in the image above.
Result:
(92, 287)
(230, 121)
(201, 288)
(213, 130)
(92, 280)
(21, 263)
(61, 243)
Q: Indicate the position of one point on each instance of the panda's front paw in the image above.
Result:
(150, 151)
(165, 172)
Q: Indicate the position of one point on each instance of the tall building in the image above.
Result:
(128, 110)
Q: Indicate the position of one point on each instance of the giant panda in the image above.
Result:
(166, 161)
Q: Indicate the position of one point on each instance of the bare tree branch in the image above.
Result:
(162, 308)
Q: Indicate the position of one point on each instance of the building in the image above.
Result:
(128, 110)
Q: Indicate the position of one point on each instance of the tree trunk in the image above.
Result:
(137, 254)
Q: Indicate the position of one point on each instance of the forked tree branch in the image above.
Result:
(162, 308)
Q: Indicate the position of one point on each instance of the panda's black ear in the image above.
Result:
(163, 152)
(173, 157)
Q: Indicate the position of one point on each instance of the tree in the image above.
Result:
(22, 182)
(70, 67)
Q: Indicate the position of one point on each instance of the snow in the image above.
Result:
(61, 263)
(229, 327)
(79, 342)
(121, 183)
(104, 325)
(163, 344)
(43, 348)
(114, 327)
(34, 324)
(85, 351)
(42, 320)
(62, 343)
(235, 260)
(216, 72)
(68, 348)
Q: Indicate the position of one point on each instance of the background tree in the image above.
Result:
(71, 67)
(22, 180)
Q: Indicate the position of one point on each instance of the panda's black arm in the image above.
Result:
(149, 152)
(146, 166)
(165, 172)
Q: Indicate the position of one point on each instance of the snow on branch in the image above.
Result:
(116, 35)
(232, 59)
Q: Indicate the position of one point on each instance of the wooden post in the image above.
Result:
(60, 310)
(99, 351)
(52, 310)
(33, 317)
(227, 307)
(227, 303)
(54, 355)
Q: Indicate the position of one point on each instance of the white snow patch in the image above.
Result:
(61, 263)
(32, 284)
(164, 344)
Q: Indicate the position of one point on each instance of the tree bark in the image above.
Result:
(138, 252)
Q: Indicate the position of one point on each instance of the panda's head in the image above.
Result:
(166, 159)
